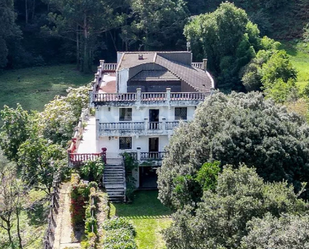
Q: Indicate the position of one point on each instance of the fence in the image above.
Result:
(49, 237)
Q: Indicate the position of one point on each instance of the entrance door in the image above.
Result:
(153, 119)
(153, 147)
(148, 177)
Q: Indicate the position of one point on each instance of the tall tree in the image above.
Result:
(10, 198)
(229, 41)
(8, 29)
(82, 22)
(14, 130)
(156, 24)
(221, 219)
(233, 129)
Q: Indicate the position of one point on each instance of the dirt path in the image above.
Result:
(63, 232)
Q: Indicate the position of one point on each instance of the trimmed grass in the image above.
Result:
(148, 216)
(299, 56)
(34, 87)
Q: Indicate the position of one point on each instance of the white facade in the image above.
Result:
(143, 122)
(139, 128)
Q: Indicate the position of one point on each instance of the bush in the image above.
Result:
(119, 234)
(79, 194)
(117, 223)
(92, 170)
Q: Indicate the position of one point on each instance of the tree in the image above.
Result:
(272, 71)
(61, 115)
(83, 22)
(156, 24)
(221, 218)
(8, 29)
(229, 41)
(40, 160)
(14, 130)
(288, 231)
(233, 129)
(10, 198)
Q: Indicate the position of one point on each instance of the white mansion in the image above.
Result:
(139, 101)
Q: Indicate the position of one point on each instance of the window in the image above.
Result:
(125, 114)
(125, 143)
(180, 113)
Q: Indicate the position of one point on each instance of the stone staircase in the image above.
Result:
(115, 182)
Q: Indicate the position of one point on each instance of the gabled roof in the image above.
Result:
(177, 63)
(197, 78)
(154, 75)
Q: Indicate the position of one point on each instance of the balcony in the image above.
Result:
(145, 158)
(137, 128)
(139, 98)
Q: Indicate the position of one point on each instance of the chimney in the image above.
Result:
(205, 65)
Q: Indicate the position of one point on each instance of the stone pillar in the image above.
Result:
(138, 97)
(97, 128)
(205, 65)
(163, 124)
(146, 125)
(168, 96)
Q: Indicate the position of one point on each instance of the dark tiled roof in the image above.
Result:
(131, 59)
(197, 78)
(152, 75)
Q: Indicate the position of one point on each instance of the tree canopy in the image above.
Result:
(228, 216)
(228, 40)
(38, 141)
(233, 129)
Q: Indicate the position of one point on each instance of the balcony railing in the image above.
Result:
(77, 159)
(147, 156)
(197, 64)
(122, 126)
(109, 67)
(141, 128)
(146, 98)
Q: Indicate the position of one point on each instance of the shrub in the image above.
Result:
(117, 223)
(119, 234)
(79, 194)
(92, 170)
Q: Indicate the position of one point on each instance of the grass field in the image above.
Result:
(299, 55)
(148, 216)
(34, 87)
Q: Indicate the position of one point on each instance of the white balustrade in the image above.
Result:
(197, 65)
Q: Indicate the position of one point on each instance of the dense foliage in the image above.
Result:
(229, 40)
(288, 231)
(233, 129)
(36, 32)
(38, 141)
(233, 215)
(119, 233)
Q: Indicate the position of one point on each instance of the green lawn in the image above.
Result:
(148, 216)
(34, 87)
(299, 55)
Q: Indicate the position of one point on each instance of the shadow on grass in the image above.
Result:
(289, 48)
(144, 206)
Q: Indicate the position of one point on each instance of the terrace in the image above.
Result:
(137, 128)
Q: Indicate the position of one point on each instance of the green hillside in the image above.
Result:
(34, 87)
